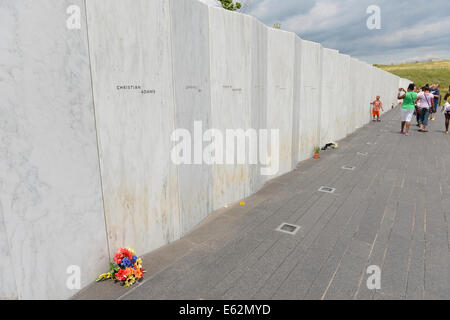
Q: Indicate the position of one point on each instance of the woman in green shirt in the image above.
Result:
(409, 100)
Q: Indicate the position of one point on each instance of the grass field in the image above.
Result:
(422, 73)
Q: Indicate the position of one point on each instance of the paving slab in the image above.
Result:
(391, 211)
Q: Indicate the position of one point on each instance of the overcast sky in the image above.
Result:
(410, 29)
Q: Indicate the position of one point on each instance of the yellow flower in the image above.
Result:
(130, 281)
(104, 276)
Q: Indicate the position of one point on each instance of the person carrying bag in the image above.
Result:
(426, 105)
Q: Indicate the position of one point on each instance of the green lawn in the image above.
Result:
(422, 73)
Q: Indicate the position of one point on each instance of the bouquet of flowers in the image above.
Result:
(126, 268)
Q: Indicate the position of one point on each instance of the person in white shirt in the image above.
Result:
(446, 111)
(426, 106)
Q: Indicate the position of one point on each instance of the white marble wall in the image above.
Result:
(358, 79)
(7, 280)
(391, 90)
(382, 91)
(309, 91)
(231, 75)
(378, 79)
(51, 214)
(190, 39)
(130, 43)
(258, 92)
(343, 107)
(404, 83)
(355, 93)
(280, 92)
(388, 90)
(296, 102)
(151, 66)
(330, 96)
(368, 92)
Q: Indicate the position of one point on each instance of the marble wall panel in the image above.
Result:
(190, 38)
(343, 102)
(369, 92)
(51, 212)
(329, 92)
(309, 93)
(231, 87)
(280, 92)
(131, 56)
(355, 92)
(258, 93)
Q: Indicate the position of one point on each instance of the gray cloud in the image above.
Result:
(275, 11)
(410, 28)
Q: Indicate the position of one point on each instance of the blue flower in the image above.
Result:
(126, 263)
(134, 259)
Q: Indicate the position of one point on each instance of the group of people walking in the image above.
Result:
(425, 103)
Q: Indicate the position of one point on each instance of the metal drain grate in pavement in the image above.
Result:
(327, 189)
(288, 228)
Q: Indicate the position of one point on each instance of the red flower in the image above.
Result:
(123, 274)
(126, 253)
(118, 258)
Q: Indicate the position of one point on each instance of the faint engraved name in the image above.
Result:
(192, 87)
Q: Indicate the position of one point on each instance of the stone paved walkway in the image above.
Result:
(392, 210)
